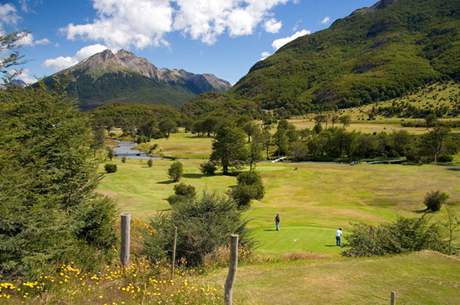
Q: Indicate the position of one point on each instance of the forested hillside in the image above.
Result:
(375, 54)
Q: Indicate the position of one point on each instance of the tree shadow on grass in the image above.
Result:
(166, 182)
(193, 176)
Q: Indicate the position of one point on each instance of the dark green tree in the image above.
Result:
(48, 180)
(256, 147)
(167, 126)
(175, 171)
(229, 148)
(434, 200)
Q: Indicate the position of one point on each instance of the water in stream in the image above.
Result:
(127, 149)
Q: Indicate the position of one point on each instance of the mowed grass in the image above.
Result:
(426, 277)
(313, 199)
(181, 145)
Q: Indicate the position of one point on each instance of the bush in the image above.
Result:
(249, 187)
(203, 226)
(434, 200)
(185, 190)
(175, 171)
(182, 192)
(208, 168)
(405, 235)
(110, 168)
(150, 163)
(123, 160)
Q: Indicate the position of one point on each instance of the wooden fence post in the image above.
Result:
(228, 294)
(173, 260)
(125, 238)
(393, 298)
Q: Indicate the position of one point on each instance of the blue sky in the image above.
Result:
(223, 37)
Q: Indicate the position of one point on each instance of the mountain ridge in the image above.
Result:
(124, 77)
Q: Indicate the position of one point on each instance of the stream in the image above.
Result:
(127, 149)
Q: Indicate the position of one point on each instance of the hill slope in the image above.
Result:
(123, 77)
(375, 54)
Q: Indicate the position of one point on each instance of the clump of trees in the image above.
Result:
(404, 235)
(208, 168)
(203, 226)
(140, 121)
(49, 210)
(182, 192)
(434, 200)
(249, 187)
(110, 168)
(175, 171)
(338, 144)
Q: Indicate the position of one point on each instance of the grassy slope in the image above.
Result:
(421, 278)
(312, 198)
(386, 125)
(429, 97)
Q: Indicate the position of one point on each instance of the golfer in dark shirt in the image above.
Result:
(277, 222)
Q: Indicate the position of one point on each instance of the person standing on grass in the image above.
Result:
(338, 237)
(277, 222)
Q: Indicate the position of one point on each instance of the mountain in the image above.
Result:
(376, 53)
(123, 77)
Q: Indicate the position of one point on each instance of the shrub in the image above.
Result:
(175, 171)
(208, 168)
(110, 153)
(150, 163)
(110, 168)
(249, 187)
(185, 190)
(404, 235)
(434, 200)
(123, 160)
(203, 226)
(182, 192)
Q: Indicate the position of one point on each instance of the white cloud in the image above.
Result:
(27, 40)
(42, 42)
(326, 20)
(8, 16)
(264, 55)
(278, 43)
(88, 51)
(207, 20)
(272, 25)
(125, 23)
(64, 62)
(25, 76)
(60, 63)
(142, 23)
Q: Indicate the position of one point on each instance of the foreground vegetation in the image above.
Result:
(140, 283)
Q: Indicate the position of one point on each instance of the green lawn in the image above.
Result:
(426, 278)
(312, 198)
(181, 145)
